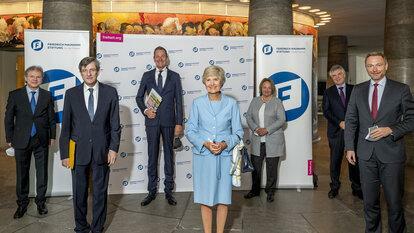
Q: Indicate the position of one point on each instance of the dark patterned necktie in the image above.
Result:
(160, 80)
(342, 95)
(374, 103)
(90, 104)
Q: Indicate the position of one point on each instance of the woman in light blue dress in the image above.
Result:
(214, 128)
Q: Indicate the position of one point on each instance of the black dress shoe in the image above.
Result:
(270, 197)
(41, 209)
(171, 200)
(251, 195)
(333, 193)
(358, 193)
(19, 212)
(148, 199)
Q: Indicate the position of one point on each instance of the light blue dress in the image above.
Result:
(213, 121)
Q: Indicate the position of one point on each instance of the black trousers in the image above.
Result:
(23, 158)
(80, 184)
(271, 171)
(336, 145)
(390, 176)
(153, 138)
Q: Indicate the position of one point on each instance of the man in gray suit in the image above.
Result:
(380, 112)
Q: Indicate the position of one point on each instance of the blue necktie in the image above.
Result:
(160, 80)
(90, 104)
(33, 107)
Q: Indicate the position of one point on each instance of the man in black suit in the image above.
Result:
(91, 119)
(335, 101)
(30, 128)
(380, 112)
(167, 121)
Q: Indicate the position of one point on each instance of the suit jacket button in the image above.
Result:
(90, 140)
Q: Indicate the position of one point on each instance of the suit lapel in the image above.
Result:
(337, 97)
(365, 94)
(26, 100)
(348, 93)
(387, 92)
(101, 97)
(81, 100)
(40, 100)
(167, 81)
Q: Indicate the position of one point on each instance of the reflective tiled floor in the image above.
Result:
(292, 211)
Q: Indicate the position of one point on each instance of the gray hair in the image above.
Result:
(216, 71)
(33, 68)
(335, 68)
(88, 60)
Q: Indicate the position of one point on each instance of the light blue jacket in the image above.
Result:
(205, 125)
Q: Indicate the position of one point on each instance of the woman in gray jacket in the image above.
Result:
(266, 118)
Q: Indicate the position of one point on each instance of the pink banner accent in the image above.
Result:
(109, 37)
(310, 167)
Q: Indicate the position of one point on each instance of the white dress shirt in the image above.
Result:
(343, 89)
(380, 87)
(164, 75)
(29, 93)
(261, 120)
(94, 93)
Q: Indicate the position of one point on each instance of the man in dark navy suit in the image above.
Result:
(165, 121)
(335, 101)
(91, 119)
(30, 128)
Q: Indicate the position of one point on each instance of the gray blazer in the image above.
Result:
(274, 121)
(396, 111)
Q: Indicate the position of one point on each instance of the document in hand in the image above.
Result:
(10, 151)
(153, 100)
(72, 149)
(368, 137)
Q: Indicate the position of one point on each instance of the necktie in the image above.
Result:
(90, 104)
(159, 80)
(33, 107)
(342, 95)
(374, 103)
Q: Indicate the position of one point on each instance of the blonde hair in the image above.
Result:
(376, 54)
(272, 86)
(214, 71)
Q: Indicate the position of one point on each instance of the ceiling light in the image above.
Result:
(244, 1)
(320, 24)
(321, 13)
(325, 21)
(314, 10)
(295, 5)
(324, 16)
(315, 26)
(305, 8)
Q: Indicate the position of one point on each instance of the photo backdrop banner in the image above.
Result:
(58, 52)
(287, 60)
(124, 58)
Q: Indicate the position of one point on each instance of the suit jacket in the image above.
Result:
(396, 110)
(274, 121)
(19, 118)
(206, 125)
(170, 112)
(93, 138)
(333, 109)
